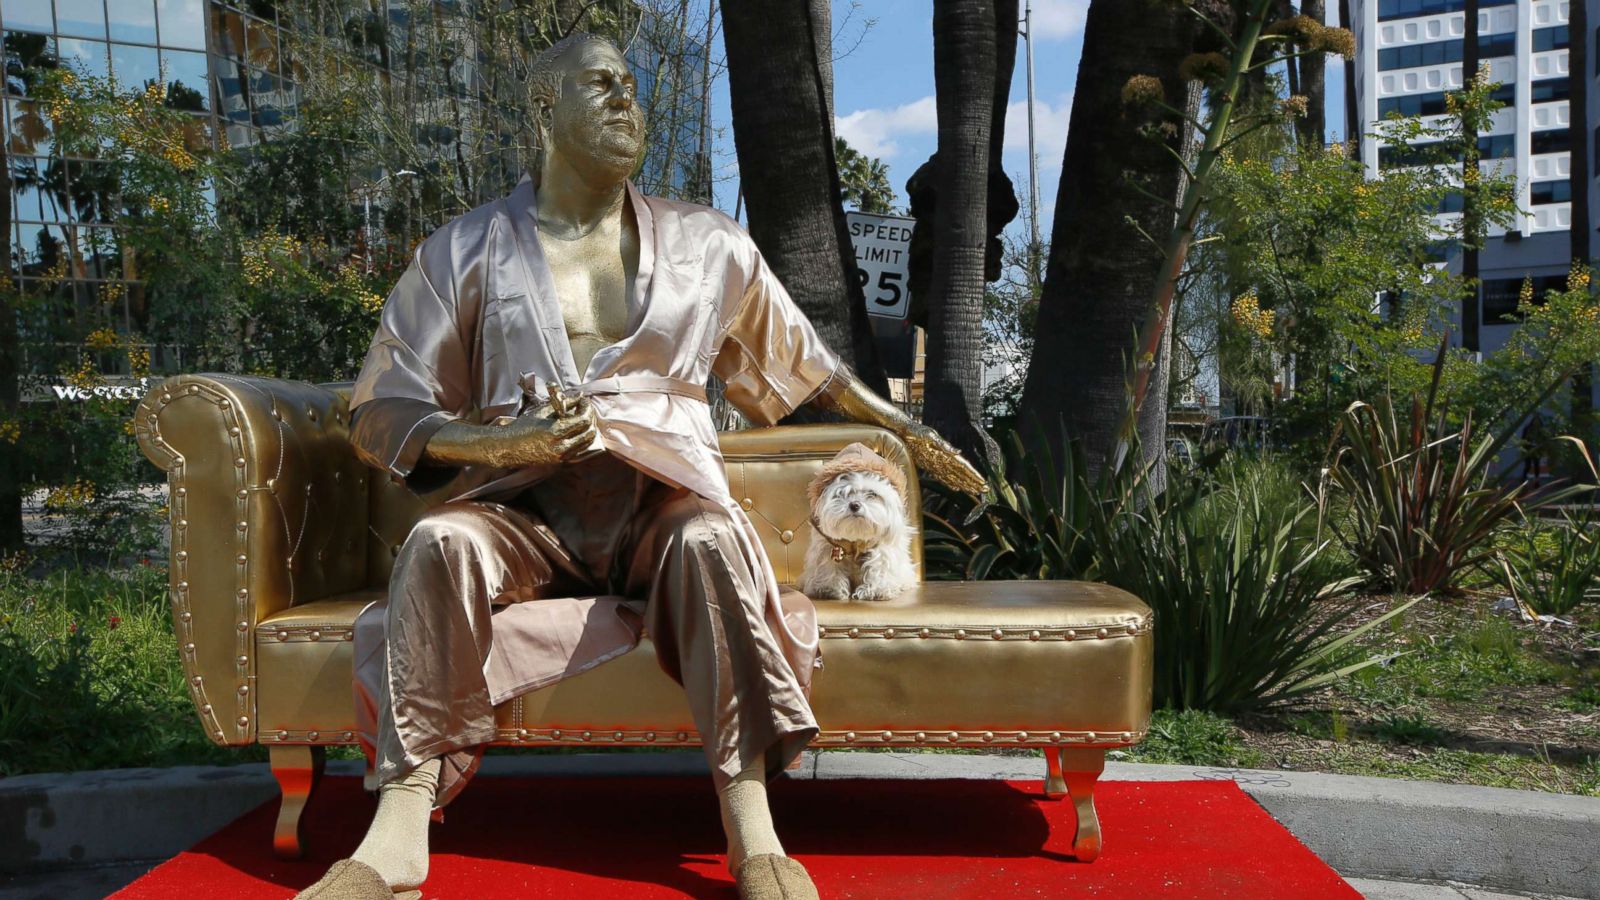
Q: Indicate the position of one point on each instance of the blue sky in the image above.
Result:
(884, 92)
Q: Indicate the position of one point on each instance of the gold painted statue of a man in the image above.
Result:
(541, 368)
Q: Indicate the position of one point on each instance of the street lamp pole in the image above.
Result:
(366, 210)
(1033, 157)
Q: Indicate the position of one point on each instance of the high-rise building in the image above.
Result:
(1409, 55)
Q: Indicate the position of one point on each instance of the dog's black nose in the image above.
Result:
(855, 506)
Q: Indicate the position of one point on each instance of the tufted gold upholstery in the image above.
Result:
(280, 536)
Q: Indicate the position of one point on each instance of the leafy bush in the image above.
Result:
(1193, 738)
(1036, 528)
(1422, 500)
(1550, 570)
(1245, 603)
(91, 676)
(1232, 565)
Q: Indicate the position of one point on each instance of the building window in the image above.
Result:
(1452, 202)
(133, 20)
(28, 15)
(1420, 55)
(1433, 104)
(1550, 89)
(1497, 45)
(1502, 146)
(1416, 155)
(1497, 146)
(1550, 191)
(1558, 141)
(183, 23)
(81, 18)
(1500, 296)
(1550, 39)
(89, 58)
(1405, 9)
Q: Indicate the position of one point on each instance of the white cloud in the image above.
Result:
(1054, 19)
(874, 131)
(1049, 131)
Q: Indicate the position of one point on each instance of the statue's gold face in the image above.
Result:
(597, 120)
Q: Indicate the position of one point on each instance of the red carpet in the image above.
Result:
(661, 837)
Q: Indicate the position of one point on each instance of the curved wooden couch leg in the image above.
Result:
(1055, 786)
(298, 768)
(1080, 769)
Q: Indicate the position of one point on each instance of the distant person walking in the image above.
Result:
(1533, 449)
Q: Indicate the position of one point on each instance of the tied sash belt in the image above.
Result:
(658, 384)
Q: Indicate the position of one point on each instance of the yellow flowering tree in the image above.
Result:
(1309, 259)
(227, 262)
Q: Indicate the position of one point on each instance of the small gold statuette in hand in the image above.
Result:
(560, 430)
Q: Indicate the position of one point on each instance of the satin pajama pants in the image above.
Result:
(489, 600)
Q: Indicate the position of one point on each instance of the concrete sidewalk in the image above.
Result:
(86, 834)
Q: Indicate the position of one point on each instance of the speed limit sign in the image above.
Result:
(882, 246)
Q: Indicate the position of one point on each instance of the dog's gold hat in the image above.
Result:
(856, 457)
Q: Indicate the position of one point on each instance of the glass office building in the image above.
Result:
(1409, 56)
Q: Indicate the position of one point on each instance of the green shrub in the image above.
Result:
(1037, 526)
(1422, 500)
(1550, 570)
(1245, 604)
(91, 676)
(1193, 738)
(1233, 566)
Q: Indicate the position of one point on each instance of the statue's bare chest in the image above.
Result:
(593, 278)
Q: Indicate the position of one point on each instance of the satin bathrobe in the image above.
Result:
(525, 576)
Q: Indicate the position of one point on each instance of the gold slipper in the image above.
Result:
(348, 879)
(773, 876)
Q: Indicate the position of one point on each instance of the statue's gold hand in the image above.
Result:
(931, 453)
(941, 460)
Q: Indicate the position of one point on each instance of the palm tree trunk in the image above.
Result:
(1469, 208)
(1312, 129)
(1582, 224)
(1097, 290)
(780, 86)
(964, 76)
(1352, 115)
(1006, 18)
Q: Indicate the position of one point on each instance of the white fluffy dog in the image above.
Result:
(862, 549)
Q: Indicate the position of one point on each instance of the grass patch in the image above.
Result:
(1193, 738)
(1461, 665)
(1584, 698)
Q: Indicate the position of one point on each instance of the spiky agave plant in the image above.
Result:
(1037, 523)
(1423, 499)
(1247, 608)
(1554, 575)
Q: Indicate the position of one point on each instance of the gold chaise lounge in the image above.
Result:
(280, 536)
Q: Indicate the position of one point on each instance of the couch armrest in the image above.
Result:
(768, 469)
(268, 508)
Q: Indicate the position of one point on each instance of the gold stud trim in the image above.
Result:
(308, 632)
(247, 469)
(885, 737)
(913, 738)
(1132, 628)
